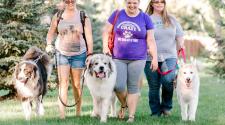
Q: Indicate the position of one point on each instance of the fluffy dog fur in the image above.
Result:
(30, 80)
(188, 90)
(100, 77)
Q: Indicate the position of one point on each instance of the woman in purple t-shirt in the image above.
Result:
(133, 37)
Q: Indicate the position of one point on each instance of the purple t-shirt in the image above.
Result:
(130, 35)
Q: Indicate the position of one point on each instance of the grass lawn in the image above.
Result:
(211, 109)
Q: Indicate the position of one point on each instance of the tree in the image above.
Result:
(19, 29)
(208, 17)
(218, 7)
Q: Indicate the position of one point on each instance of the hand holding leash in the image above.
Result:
(154, 65)
(107, 51)
(50, 48)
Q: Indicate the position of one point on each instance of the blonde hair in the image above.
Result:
(165, 15)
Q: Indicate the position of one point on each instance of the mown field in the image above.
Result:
(211, 109)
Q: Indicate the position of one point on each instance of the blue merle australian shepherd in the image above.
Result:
(30, 80)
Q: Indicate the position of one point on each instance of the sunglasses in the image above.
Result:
(69, 1)
(158, 2)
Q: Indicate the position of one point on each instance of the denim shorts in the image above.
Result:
(77, 61)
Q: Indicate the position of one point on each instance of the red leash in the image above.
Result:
(182, 52)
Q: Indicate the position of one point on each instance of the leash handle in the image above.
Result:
(182, 52)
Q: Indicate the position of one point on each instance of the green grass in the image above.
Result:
(211, 109)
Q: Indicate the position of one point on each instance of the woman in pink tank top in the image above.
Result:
(71, 51)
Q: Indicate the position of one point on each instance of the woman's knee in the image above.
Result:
(134, 89)
(120, 88)
(167, 83)
(64, 82)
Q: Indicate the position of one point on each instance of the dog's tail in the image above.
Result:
(43, 62)
(34, 53)
(40, 57)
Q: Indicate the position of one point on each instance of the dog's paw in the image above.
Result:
(40, 110)
(103, 120)
(27, 117)
(93, 114)
(192, 119)
(184, 119)
(112, 115)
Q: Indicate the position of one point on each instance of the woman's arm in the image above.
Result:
(105, 35)
(180, 42)
(88, 34)
(52, 30)
(152, 49)
(50, 35)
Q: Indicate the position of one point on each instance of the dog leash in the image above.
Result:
(57, 81)
(39, 57)
(180, 51)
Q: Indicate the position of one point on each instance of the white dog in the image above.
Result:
(188, 90)
(100, 77)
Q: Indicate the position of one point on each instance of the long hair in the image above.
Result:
(164, 14)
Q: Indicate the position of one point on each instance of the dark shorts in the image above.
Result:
(77, 61)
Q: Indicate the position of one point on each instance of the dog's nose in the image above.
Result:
(188, 79)
(20, 78)
(101, 68)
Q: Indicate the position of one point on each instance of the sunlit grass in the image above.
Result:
(211, 109)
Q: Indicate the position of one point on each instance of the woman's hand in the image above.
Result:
(105, 36)
(106, 50)
(50, 48)
(154, 64)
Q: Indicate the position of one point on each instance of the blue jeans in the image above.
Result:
(155, 81)
(76, 61)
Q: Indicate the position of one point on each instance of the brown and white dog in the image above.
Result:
(100, 78)
(30, 80)
(188, 84)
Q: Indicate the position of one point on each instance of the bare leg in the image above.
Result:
(63, 72)
(132, 100)
(76, 76)
(122, 98)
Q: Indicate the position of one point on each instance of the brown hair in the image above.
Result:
(165, 15)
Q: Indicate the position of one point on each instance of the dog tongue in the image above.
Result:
(101, 74)
(23, 81)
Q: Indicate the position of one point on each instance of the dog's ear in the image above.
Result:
(181, 62)
(16, 72)
(34, 72)
(89, 64)
(111, 66)
(195, 63)
(87, 61)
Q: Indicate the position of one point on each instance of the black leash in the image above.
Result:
(57, 81)
(59, 17)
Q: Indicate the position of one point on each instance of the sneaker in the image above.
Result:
(130, 119)
(166, 113)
